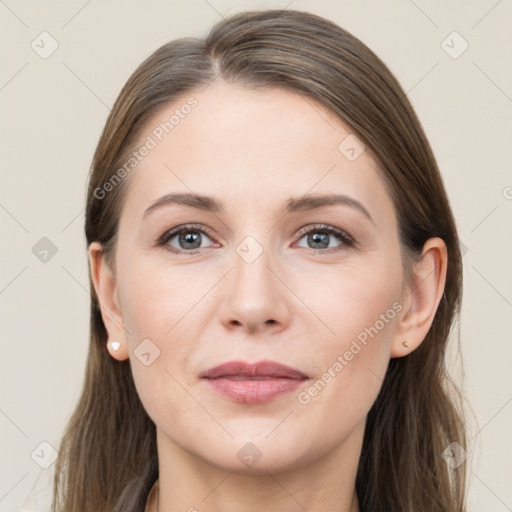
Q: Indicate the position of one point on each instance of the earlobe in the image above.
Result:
(117, 349)
(105, 286)
(421, 296)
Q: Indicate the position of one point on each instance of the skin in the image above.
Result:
(252, 150)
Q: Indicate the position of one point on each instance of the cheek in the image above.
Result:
(154, 298)
(162, 327)
(357, 303)
(361, 309)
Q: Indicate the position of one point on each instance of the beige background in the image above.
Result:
(54, 109)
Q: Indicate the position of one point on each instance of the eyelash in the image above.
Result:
(346, 239)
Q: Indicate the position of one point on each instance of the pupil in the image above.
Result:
(190, 238)
(321, 239)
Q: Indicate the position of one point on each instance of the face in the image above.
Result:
(271, 273)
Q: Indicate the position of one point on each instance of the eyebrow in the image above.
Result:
(293, 205)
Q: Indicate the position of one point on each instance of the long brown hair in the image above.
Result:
(108, 457)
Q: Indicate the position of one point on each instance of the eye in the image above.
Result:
(190, 238)
(320, 237)
(187, 238)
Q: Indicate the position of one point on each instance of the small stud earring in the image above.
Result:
(405, 344)
(115, 345)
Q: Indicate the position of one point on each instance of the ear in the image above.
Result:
(104, 282)
(421, 297)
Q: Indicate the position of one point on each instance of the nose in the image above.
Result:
(255, 298)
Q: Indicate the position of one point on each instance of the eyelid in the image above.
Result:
(325, 227)
(347, 240)
(171, 233)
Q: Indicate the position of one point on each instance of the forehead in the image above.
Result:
(255, 145)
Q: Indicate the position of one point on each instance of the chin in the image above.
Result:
(256, 454)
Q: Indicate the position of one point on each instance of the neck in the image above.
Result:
(188, 483)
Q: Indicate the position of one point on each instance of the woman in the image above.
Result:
(275, 271)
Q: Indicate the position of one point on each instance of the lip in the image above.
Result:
(263, 368)
(253, 383)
